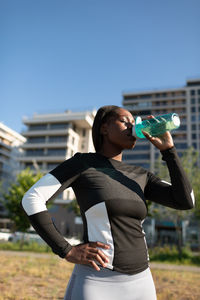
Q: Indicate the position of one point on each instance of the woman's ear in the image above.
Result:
(104, 129)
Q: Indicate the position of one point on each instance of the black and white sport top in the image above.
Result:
(112, 198)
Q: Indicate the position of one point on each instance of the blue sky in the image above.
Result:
(82, 54)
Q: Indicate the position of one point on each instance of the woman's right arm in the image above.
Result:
(35, 199)
(34, 204)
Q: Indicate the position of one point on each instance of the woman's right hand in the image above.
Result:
(88, 254)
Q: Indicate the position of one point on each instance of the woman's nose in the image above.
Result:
(129, 125)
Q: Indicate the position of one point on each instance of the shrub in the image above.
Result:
(170, 254)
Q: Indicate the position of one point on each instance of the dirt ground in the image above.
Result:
(33, 276)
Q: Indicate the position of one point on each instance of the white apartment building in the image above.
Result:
(53, 138)
(184, 100)
(10, 151)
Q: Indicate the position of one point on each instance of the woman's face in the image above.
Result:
(117, 131)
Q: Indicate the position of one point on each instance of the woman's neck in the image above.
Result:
(117, 155)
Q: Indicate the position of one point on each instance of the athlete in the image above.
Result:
(112, 262)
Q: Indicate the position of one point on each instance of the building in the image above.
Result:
(10, 151)
(51, 139)
(184, 100)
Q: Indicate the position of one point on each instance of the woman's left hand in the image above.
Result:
(162, 142)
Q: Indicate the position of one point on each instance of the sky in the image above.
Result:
(57, 55)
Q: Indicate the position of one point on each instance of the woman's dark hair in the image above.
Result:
(102, 116)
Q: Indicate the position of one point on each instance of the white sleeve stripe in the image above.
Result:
(34, 201)
(192, 196)
(166, 182)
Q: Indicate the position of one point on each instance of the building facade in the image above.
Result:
(185, 101)
(51, 139)
(10, 152)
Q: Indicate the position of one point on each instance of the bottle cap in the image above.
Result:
(176, 120)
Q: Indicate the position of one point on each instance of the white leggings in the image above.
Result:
(89, 284)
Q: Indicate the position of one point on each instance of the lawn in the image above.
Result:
(34, 277)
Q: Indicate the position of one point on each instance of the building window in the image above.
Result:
(193, 126)
(141, 147)
(55, 126)
(58, 139)
(192, 92)
(84, 132)
(35, 140)
(35, 152)
(183, 127)
(144, 113)
(56, 152)
(51, 166)
(193, 109)
(37, 127)
(135, 156)
(32, 167)
(145, 104)
(193, 101)
(193, 118)
(194, 145)
(145, 96)
(181, 146)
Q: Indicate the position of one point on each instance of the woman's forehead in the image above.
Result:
(124, 113)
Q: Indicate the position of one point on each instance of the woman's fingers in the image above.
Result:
(89, 254)
(99, 256)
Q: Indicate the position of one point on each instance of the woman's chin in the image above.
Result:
(131, 146)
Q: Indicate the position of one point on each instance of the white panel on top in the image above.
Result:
(99, 229)
(34, 201)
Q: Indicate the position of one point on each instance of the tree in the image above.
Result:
(12, 199)
(190, 164)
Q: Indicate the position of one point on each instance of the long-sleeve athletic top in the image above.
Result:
(112, 198)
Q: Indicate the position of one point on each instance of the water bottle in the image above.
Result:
(156, 126)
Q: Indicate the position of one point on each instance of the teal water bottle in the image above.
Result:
(156, 126)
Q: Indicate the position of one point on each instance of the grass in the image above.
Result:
(176, 285)
(27, 246)
(34, 277)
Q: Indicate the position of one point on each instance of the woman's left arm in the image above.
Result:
(177, 194)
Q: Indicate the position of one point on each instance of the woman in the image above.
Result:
(112, 262)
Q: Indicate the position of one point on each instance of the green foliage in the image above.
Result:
(190, 161)
(12, 198)
(27, 246)
(73, 205)
(171, 255)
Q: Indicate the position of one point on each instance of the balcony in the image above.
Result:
(44, 132)
(44, 158)
(45, 145)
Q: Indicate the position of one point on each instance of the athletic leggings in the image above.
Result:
(89, 284)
